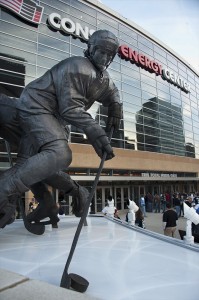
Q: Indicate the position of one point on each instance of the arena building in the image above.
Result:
(157, 146)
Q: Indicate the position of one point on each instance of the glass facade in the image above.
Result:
(158, 116)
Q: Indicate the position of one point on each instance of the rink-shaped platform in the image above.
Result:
(119, 261)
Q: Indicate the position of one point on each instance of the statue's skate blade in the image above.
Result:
(35, 228)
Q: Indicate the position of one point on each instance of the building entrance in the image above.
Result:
(120, 194)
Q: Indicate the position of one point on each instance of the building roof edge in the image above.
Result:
(107, 9)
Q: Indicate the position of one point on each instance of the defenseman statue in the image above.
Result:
(61, 96)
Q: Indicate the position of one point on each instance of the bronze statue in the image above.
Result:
(61, 96)
(10, 130)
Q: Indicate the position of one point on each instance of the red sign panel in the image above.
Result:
(27, 9)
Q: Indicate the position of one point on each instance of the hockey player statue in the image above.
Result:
(37, 122)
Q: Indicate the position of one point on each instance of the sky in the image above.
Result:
(173, 22)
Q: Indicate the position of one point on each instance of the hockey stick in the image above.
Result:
(75, 281)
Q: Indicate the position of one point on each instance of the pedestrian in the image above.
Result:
(116, 214)
(195, 228)
(169, 219)
(149, 202)
(157, 203)
(163, 202)
(176, 202)
(139, 218)
(168, 197)
(189, 201)
(143, 205)
(181, 205)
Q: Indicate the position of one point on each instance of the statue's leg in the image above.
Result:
(11, 133)
(63, 181)
(46, 208)
(52, 157)
(8, 208)
(28, 170)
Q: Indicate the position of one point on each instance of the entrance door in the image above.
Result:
(101, 195)
(121, 196)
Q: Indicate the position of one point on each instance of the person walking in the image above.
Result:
(176, 203)
(189, 201)
(169, 219)
(163, 202)
(157, 203)
(139, 218)
(143, 205)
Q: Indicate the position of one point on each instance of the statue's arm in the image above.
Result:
(115, 110)
(73, 112)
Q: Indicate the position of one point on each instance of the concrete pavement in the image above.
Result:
(153, 222)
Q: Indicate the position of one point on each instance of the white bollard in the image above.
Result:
(192, 216)
(133, 208)
(188, 238)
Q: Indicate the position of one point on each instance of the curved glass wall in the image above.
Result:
(158, 116)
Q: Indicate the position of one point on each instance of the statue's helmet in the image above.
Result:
(104, 40)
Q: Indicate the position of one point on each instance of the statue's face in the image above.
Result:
(101, 57)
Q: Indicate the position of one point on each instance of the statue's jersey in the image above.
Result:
(69, 89)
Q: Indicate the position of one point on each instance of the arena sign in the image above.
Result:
(163, 175)
(67, 26)
(175, 79)
(150, 65)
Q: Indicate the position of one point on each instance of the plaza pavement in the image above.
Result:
(153, 222)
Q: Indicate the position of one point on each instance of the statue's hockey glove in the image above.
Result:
(99, 140)
(114, 116)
